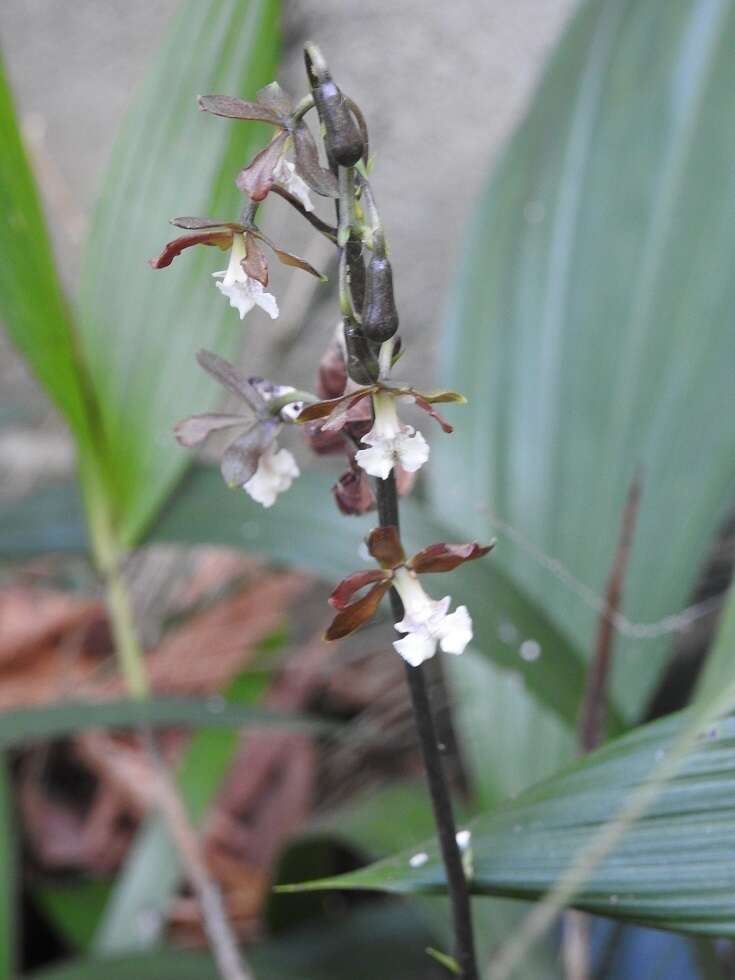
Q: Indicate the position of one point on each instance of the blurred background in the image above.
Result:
(556, 183)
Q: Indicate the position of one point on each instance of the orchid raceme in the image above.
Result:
(244, 280)
(427, 622)
(358, 414)
(252, 461)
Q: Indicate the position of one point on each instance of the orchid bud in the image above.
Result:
(342, 136)
(362, 364)
(379, 315)
(353, 493)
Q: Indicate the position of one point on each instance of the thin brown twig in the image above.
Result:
(593, 714)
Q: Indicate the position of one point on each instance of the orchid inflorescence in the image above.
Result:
(355, 407)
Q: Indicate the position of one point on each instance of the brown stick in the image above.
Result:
(592, 724)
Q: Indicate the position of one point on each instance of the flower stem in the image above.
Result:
(459, 899)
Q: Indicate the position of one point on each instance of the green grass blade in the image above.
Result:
(27, 725)
(32, 304)
(140, 328)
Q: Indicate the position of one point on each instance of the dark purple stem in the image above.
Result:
(441, 802)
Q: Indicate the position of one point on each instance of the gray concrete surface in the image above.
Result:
(442, 85)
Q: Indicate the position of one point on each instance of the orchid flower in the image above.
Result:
(427, 623)
(244, 280)
(252, 461)
(270, 168)
(389, 441)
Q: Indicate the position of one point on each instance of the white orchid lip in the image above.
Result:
(390, 441)
(242, 290)
(277, 469)
(427, 623)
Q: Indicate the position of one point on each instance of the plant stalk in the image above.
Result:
(459, 899)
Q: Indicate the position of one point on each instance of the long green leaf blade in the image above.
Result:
(672, 869)
(383, 941)
(32, 304)
(719, 669)
(32, 724)
(591, 326)
(140, 328)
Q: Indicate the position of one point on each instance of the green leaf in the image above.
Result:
(32, 724)
(719, 668)
(152, 871)
(49, 518)
(672, 869)
(74, 909)
(8, 877)
(591, 324)
(140, 328)
(32, 304)
(383, 940)
(498, 720)
(327, 544)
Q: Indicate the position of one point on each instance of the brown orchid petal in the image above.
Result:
(254, 264)
(384, 544)
(306, 158)
(241, 458)
(276, 100)
(286, 257)
(229, 377)
(335, 410)
(257, 178)
(446, 557)
(233, 108)
(222, 239)
(356, 615)
(437, 416)
(193, 431)
(192, 223)
(346, 589)
(353, 493)
(356, 415)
